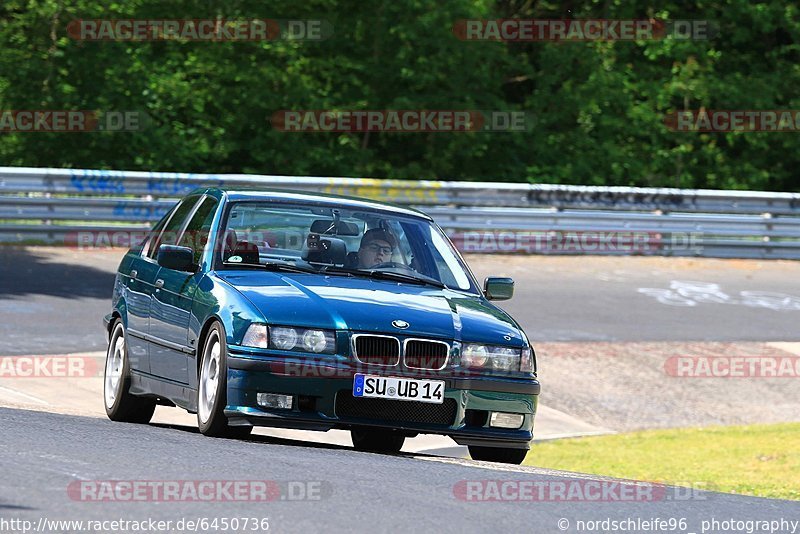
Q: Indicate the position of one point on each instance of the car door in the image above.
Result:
(149, 275)
(172, 299)
(138, 276)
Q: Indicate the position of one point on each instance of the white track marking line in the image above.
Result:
(37, 400)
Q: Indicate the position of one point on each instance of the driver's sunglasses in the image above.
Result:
(383, 250)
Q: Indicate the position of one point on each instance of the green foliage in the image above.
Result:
(599, 106)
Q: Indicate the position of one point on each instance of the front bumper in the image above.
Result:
(323, 400)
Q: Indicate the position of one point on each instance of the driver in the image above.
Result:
(377, 246)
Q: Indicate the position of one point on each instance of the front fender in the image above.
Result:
(216, 299)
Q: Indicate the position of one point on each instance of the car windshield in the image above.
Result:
(337, 240)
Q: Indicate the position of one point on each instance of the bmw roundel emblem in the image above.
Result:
(402, 325)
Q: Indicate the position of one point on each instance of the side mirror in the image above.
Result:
(497, 288)
(176, 258)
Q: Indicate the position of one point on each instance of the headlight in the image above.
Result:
(256, 336)
(302, 339)
(505, 358)
(491, 358)
(315, 340)
(283, 338)
(474, 356)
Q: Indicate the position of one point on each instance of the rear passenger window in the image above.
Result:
(196, 234)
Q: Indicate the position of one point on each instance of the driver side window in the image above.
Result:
(196, 234)
(169, 235)
(144, 250)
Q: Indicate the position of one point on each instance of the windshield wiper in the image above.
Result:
(388, 275)
(287, 267)
(274, 266)
(329, 269)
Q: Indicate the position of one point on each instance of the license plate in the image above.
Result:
(395, 388)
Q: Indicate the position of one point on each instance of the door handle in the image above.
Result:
(159, 283)
(134, 274)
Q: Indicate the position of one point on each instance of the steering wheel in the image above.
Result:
(392, 265)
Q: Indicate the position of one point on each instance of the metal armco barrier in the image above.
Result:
(45, 205)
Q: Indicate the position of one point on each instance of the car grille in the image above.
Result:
(422, 354)
(394, 410)
(377, 350)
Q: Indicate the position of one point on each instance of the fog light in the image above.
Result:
(271, 400)
(506, 420)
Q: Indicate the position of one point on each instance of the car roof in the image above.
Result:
(236, 195)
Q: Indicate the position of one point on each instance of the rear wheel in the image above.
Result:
(212, 387)
(497, 454)
(119, 403)
(377, 440)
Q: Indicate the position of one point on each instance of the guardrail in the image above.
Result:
(48, 204)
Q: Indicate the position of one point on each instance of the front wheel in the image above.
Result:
(377, 440)
(212, 386)
(119, 403)
(496, 454)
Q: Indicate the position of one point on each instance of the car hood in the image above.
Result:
(369, 305)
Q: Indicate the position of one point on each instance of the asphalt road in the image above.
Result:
(352, 491)
(572, 298)
(52, 299)
(51, 302)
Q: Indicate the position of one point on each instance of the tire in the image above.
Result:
(212, 388)
(496, 454)
(377, 440)
(120, 405)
